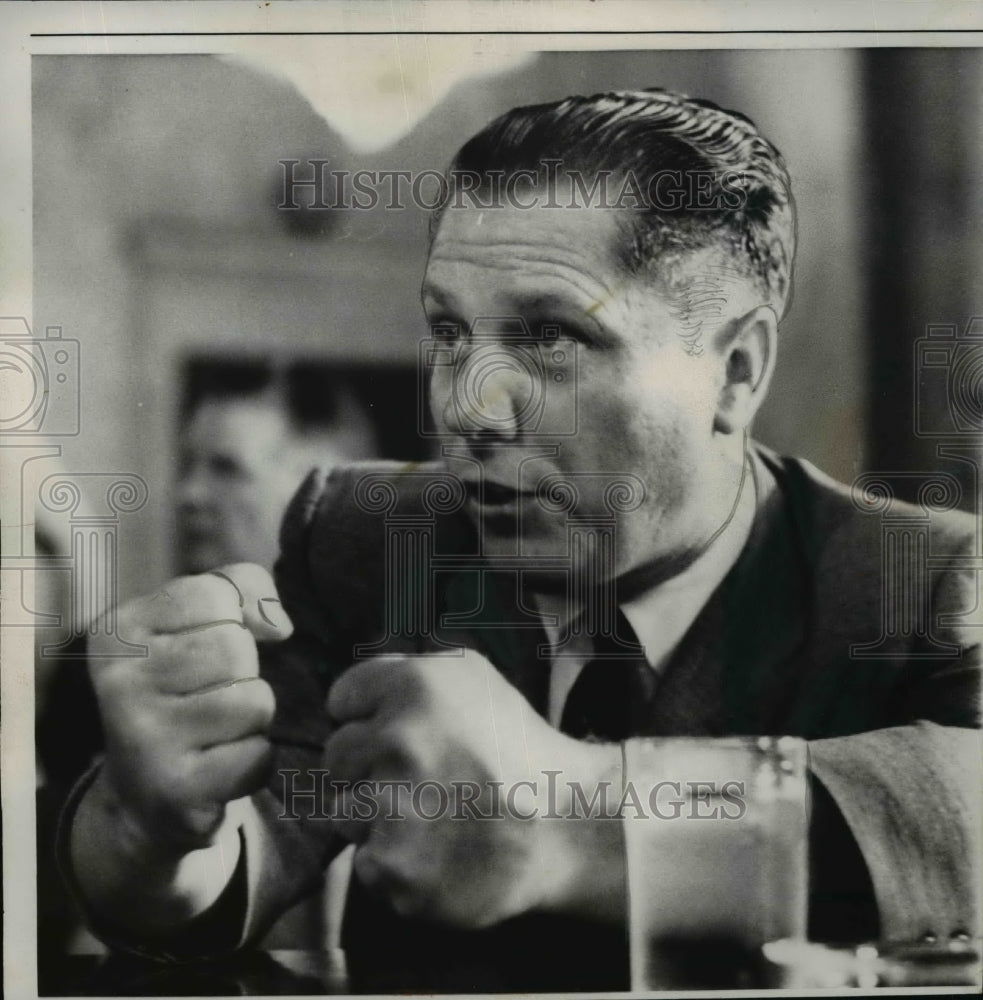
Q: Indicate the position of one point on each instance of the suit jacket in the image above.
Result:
(892, 737)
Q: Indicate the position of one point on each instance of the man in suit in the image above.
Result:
(638, 248)
(244, 444)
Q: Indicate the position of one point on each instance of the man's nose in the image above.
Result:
(192, 491)
(490, 393)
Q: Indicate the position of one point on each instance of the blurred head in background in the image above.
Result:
(243, 450)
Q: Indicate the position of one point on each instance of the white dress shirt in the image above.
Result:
(660, 615)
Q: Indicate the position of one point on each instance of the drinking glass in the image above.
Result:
(715, 837)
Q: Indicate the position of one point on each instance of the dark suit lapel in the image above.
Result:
(732, 671)
(498, 628)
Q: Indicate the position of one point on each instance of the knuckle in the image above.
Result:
(129, 623)
(338, 694)
(227, 647)
(413, 893)
(255, 753)
(130, 610)
(258, 702)
(171, 776)
(204, 597)
(251, 579)
(234, 642)
(404, 743)
(148, 734)
(336, 745)
(411, 903)
(378, 870)
(126, 707)
(114, 681)
(411, 677)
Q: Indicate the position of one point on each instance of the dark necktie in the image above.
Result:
(612, 695)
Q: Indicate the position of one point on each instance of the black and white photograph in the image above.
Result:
(492, 498)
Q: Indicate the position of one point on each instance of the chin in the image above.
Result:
(545, 553)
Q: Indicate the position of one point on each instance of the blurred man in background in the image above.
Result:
(249, 438)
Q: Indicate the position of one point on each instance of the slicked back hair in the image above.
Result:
(644, 134)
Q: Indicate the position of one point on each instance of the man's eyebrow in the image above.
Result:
(429, 294)
(545, 307)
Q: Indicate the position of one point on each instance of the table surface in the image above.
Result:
(249, 973)
(320, 973)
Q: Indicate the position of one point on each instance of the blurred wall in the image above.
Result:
(923, 242)
(156, 234)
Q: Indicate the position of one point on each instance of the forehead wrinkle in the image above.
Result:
(547, 251)
(564, 272)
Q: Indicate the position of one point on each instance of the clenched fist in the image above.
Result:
(185, 726)
(185, 736)
(454, 723)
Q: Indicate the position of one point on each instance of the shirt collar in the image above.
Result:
(662, 614)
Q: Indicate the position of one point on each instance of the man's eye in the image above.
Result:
(578, 335)
(446, 331)
(225, 467)
(570, 331)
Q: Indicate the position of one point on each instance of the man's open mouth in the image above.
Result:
(490, 494)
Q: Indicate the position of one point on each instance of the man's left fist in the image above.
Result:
(466, 837)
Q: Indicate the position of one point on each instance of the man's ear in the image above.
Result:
(748, 352)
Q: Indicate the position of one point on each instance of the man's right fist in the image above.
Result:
(185, 726)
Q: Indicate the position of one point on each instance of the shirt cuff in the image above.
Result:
(216, 932)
